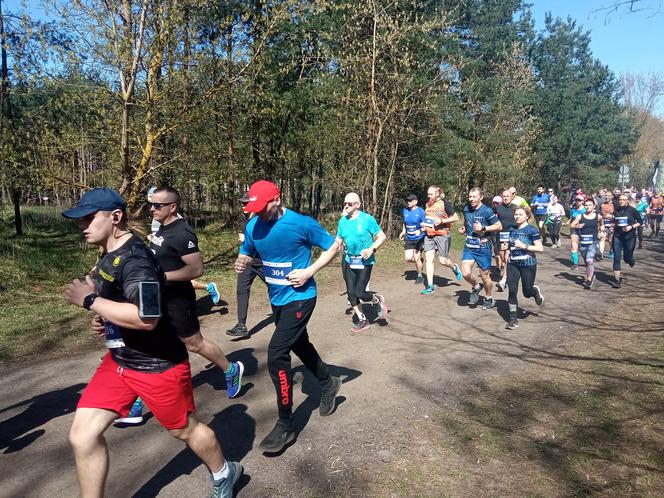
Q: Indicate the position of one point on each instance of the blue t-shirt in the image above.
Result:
(485, 216)
(540, 201)
(285, 245)
(528, 235)
(358, 234)
(413, 222)
(576, 212)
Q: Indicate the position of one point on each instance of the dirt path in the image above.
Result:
(435, 355)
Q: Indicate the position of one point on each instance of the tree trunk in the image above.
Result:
(18, 221)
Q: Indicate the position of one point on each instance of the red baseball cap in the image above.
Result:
(259, 195)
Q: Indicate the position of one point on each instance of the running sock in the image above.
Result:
(575, 258)
(221, 474)
(513, 309)
(477, 287)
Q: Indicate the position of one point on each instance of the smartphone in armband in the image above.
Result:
(149, 304)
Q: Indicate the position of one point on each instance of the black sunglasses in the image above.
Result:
(159, 205)
(349, 203)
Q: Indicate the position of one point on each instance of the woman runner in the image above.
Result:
(589, 225)
(555, 213)
(525, 241)
(628, 220)
(576, 210)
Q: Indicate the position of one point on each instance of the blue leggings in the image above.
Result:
(623, 247)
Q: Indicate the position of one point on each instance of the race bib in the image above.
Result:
(518, 254)
(607, 223)
(276, 273)
(412, 230)
(428, 223)
(621, 221)
(113, 335)
(504, 236)
(472, 242)
(586, 240)
(356, 262)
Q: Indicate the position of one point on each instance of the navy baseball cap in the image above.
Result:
(98, 199)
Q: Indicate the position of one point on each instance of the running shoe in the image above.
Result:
(610, 256)
(615, 283)
(238, 330)
(223, 488)
(135, 415)
(419, 279)
(631, 263)
(457, 272)
(214, 292)
(512, 324)
(360, 326)
(539, 298)
(501, 285)
(488, 304)
(328, 399)
(429, 290)
(474, 295)
(382, 307)
(234, 379)
(575, 267)
(280, 436)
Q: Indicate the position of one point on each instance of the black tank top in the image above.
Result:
(589, 230)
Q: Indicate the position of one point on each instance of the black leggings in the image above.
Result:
(291, 335)
(527, 276)
(625, 247)
(554, 231)
(244, 281)
(356, 284)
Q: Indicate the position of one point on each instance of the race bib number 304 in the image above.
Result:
(276, 273)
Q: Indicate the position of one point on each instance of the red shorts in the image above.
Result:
(169, 395)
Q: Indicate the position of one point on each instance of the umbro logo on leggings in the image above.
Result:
(283, 386)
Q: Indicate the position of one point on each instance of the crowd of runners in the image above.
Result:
(142, 293)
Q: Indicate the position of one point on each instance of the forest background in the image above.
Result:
(321, 96)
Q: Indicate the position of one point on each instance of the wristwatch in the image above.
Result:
(88, 300)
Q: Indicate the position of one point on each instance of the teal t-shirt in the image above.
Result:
(358, 234)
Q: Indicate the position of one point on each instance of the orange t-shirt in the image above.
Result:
(437, 211)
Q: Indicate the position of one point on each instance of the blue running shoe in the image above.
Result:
(429, 290)
(610, 256)
(234, 379)
(223, 488)
(457, 272)
(135, 415)
(214, 292)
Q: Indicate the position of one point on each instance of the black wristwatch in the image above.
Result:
(88, 300)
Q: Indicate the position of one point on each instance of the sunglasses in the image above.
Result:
(159, 205)
(550, 191)
(349, 203)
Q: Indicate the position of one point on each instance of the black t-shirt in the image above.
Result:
(625, 216)
(116, 277)
(173, 241)
(506, 216)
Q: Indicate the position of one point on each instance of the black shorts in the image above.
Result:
(540, 217)
(179, 310)
(417, 245)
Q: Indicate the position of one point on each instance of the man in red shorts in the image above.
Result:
(146, 358)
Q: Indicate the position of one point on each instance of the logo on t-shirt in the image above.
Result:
(158, 241)
(191, 245)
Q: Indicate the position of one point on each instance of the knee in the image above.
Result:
(466, 272)
(194, 343)
(83, 437)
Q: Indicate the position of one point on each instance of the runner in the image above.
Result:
(440, 215)
(176, 248)
(524, 241)
(642, 208)
(479, 222)
(628, 220)
(283, 240)
(655, 214)
(361, 236)
(245, 280)
(606, 210)
(576, 210)
(146, 358)
(209, 287)
(495, 238)
(505, 213)
(555, 213)
(411, 231)
(540, 203)
(590, 228)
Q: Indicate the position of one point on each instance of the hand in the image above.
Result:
(98, 326)
(298, 278)
(462, 230)
(366, 253)
(580, 225)
(477, 226)
(627, 228)
(520, 244)
(401, 236)
(242, 262)
(77, 291)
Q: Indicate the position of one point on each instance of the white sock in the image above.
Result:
(221, 474)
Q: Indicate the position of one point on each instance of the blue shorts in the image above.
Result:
(482, 256)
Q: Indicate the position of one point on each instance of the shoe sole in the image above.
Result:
(235, 334)
(277, 449)
(129, 420)
(512, 328)
(239, 388)
(539, 293)
(360, 330)
(334, 401)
